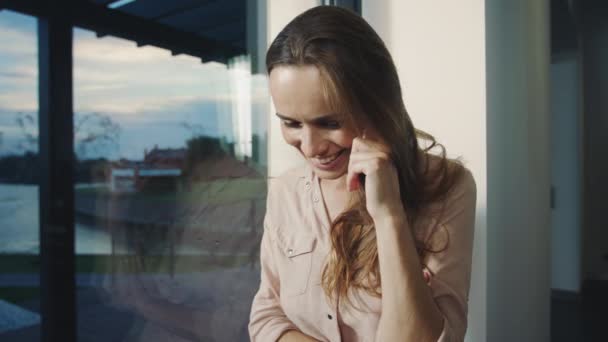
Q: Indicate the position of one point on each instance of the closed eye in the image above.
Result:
(325, 122)
(291, 123)
(329, 124)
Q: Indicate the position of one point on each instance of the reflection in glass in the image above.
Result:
(19, 243)
(170, 193)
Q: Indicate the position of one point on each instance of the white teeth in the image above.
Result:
(329, 159)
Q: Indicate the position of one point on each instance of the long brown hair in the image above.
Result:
(361, 82)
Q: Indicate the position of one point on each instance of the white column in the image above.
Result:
(518, 127)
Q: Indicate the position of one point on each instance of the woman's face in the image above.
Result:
(307, 123)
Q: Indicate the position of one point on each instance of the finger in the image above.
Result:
(352, 177)
(361, 144)
(355, 146)
(355, 169)
(367, 166)
(371, 134)
(352, 181)
(369, 155)
(427, 276)
(360, 167)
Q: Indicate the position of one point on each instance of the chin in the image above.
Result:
(333, 169)
(329, 175)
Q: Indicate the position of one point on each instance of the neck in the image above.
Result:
(337, 185)
(336, 197)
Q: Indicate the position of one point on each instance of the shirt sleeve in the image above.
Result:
(267, 321)
(451, 268)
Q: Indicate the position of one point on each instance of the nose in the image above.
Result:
(312, 143)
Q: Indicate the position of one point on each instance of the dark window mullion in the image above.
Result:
(57, 271)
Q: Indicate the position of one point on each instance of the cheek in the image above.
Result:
(290, 137)
(344, 139)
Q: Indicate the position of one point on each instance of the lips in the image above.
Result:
(329, 159)
(330, 163)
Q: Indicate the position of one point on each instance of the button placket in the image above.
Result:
(315, 196)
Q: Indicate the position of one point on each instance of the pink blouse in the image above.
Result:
(296, 242)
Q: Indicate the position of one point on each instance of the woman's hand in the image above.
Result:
(371, 157)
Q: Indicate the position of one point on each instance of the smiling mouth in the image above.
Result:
(328, 160)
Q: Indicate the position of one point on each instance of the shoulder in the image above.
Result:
(461, 178)
(288, 183)
(286, 199)
(291, 177)
(456, 205)
(459, 205)
(464, 189)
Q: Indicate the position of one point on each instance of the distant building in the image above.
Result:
(161, 169)
(122, 178)
(168, 158)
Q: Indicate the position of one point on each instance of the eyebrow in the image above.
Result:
(319, 119)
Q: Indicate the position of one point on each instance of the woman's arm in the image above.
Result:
(411, 309)
(409, 312)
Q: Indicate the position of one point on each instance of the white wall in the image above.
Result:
(566, 167)
(439, 50)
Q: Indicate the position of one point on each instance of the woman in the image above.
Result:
(372, 239)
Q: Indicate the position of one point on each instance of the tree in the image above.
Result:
(27, 125)
(94, 134)
(201, 147)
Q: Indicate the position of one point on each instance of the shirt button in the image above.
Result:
(315, 199)
(307, 184)
(290, 251)
(329, 316)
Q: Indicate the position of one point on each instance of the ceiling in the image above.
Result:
(212, 30)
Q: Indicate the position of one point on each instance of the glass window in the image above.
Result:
(170, 191)
(19, 241)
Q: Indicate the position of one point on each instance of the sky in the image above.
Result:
(151, 95)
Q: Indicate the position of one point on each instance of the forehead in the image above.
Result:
(297, 92)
